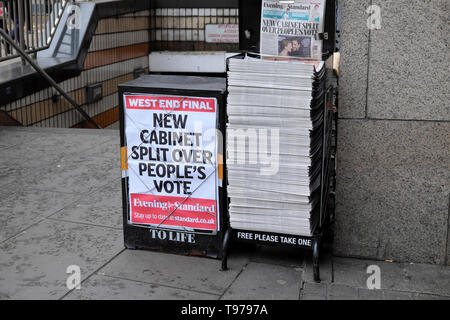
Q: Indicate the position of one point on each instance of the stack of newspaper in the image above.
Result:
(274, 145)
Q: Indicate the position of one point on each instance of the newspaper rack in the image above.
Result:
(320, 230)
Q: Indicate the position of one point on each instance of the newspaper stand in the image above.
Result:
(327, 191)
(250, 20)
(158, 236)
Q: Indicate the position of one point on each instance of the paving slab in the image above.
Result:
(103, 207)
(284, 256)
(314, 291)
(17, 174)
(373, 294)
(425, 296)
(352, 272)
(109, 149)
(44, 231)
(21, 209)
(100, 287)
(10, 136)
(79, 175)
(33, 264)
(342, 292)
(397, 295)
(185, 272)
(31, 145)
(265, 282)
(36, 154)
(403, 277)
(4, 146)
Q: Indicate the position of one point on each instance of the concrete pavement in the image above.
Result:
(60, 205)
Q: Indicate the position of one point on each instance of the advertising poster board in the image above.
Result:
(172, 137)
(172, 161)
(222, 33)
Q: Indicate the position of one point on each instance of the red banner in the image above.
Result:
(170, 103)
(190, 213)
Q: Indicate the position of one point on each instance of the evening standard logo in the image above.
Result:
(170, 103)
(174, 205)
(174, 211)
(196, 220)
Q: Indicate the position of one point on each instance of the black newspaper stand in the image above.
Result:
(249, 43)
(157, 222)
(325, 192)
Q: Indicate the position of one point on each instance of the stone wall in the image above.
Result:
(394, 132)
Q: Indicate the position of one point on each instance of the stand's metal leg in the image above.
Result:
(316, 249)
(129, 246)
(226, 240)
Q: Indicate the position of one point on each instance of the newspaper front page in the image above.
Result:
(290, 29)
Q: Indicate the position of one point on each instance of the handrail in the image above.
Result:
(44, 74)
(31, 23)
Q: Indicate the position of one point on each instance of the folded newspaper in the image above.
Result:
(274, 130)
(290, 29)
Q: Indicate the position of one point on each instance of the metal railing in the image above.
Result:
(44, 74)
(30, 23)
